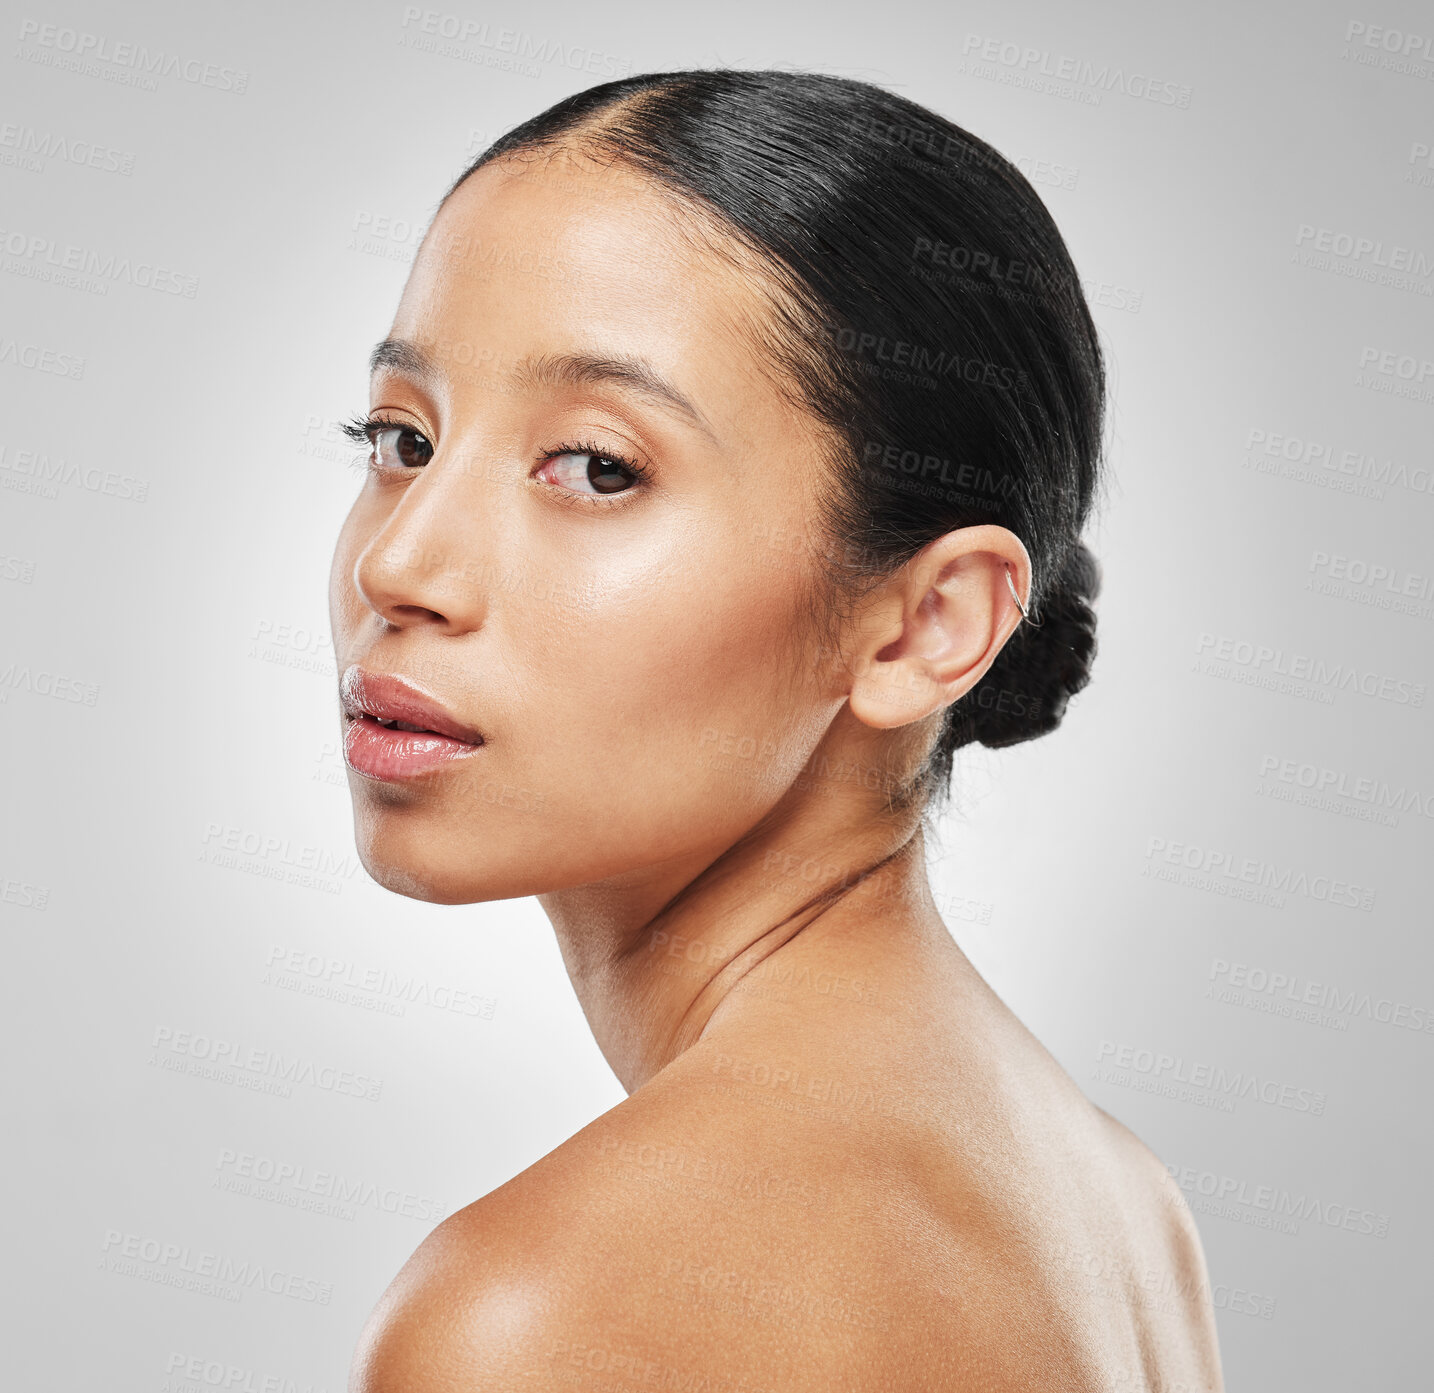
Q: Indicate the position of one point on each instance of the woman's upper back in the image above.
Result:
(869, 1208)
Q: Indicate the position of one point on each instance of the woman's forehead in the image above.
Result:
(565, 254)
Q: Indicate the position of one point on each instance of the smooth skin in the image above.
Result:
(843, 1163)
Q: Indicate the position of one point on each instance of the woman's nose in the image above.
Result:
(422, 565)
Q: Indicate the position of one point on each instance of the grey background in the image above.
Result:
(170, 489)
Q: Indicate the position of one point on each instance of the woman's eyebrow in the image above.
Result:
(555, 370)
(586, 369)
(405, 357)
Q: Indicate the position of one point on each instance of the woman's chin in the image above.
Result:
(425, 880)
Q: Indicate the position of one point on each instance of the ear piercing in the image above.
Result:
(1025, 613)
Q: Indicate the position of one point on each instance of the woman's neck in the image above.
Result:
(655, 954)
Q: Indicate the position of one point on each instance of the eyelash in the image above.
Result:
(362, 429)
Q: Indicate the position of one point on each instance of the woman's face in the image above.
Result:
(631, 648)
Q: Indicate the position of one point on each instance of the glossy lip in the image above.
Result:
(388, 697)
(381, 753)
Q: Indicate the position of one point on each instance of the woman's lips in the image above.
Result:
(397, 730)
(381, 753)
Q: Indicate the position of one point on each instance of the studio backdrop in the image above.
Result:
(244, 1082)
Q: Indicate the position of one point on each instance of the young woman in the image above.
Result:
(729, 455)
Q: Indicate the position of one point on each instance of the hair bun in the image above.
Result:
(1042, 665)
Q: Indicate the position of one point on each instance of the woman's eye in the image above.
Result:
(400, 447)
(579, 468)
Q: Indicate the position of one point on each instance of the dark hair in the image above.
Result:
(928, 315)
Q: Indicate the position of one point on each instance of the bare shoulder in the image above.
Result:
(1170, 1219)
(745, 1224)
(1168, 1273)
(685, 1239)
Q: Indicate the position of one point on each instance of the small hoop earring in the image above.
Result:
(1025, 613)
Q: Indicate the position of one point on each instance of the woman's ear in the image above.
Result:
(931, 632)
